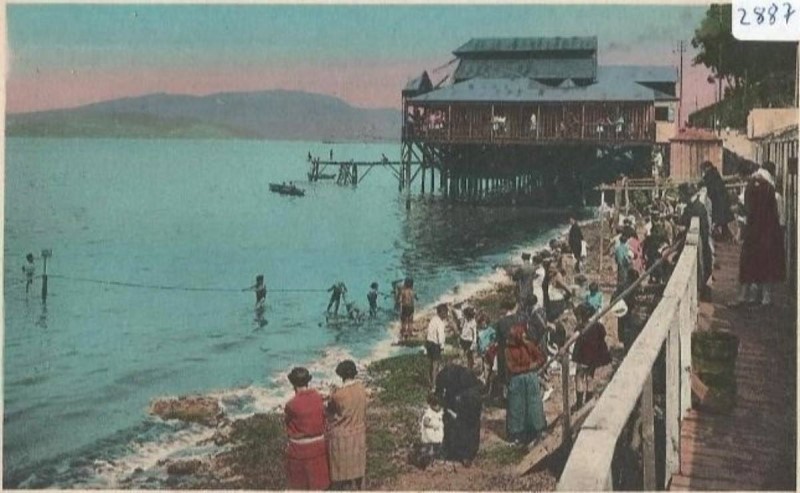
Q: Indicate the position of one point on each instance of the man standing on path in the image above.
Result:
(576, 242)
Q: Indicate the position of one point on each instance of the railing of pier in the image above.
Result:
(589, 466)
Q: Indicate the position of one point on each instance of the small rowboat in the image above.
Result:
(286, 189)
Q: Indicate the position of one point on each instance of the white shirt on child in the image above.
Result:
(436, 333)
(469, 330)
(431, 427)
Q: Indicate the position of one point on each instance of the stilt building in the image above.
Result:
(519, 113)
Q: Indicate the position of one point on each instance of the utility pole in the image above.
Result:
(681, 51)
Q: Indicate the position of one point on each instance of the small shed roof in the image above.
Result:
(612, 84)
(527, 45)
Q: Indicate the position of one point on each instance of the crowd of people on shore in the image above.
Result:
(473, 360)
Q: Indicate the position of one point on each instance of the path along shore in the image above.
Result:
(249, 451)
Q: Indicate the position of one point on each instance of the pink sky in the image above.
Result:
(373, 84)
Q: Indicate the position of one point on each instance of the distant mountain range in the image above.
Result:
(278, 114)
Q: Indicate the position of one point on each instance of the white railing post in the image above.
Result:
(648, 439)
(672, 415)
(688, 318)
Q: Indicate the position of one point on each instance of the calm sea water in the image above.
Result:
(81, 371)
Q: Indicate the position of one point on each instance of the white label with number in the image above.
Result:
(766, 20)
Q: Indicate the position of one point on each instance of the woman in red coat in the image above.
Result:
(590, 352)
(306, 452)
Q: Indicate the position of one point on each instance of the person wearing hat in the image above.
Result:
(306, 450)
(347, 431)
(589, 353)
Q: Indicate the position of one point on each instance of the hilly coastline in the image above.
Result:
(274, 115)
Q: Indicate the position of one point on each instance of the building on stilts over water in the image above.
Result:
(534, 119)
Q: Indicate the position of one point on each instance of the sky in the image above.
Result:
(62, 55)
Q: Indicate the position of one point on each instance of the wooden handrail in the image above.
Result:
(589, 465)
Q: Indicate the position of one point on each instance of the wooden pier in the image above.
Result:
(753, 447)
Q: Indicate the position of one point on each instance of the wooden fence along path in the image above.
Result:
(589, 467)
(751, 448)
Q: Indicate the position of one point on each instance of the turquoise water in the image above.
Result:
(81, 371)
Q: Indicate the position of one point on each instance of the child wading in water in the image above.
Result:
(372, 299)
(590, 352)
(407, 298)
(261, 291)
(29, 269)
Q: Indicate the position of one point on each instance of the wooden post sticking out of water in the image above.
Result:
(46, 253)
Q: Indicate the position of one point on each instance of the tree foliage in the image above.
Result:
(742, 64)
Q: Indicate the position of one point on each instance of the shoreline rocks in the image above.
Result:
(192, 409)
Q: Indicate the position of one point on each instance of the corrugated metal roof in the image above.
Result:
(495, 45)
(647, 73)
(613, 84)
(560, 68)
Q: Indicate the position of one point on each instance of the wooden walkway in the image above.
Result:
(754, 448)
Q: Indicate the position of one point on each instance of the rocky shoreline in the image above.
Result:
(248, 452)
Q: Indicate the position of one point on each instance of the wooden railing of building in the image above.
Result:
(543, 123)
(589, 466)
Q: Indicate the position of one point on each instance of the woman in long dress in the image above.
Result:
(306, 452)
(347, 433)
(525, 417)
(460, 391)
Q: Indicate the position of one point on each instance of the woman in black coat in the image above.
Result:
(460, 391)
(721, 213)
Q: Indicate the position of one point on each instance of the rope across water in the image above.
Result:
(164, 287)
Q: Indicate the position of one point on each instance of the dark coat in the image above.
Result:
(460, 391)
(590, 348)
(720, 206)
(763, 256)
(575, 240)
(696, 209)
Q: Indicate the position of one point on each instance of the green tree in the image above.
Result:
(763, 67)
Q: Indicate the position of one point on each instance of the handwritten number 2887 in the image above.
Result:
(763, 14)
